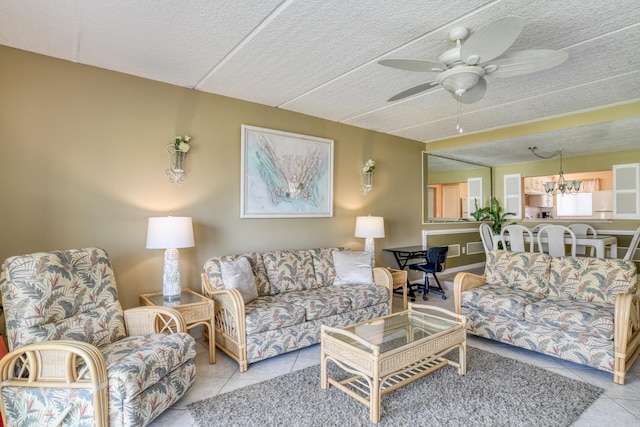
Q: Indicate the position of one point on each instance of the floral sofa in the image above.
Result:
(77, 358)
(586, 310)
(297, 292)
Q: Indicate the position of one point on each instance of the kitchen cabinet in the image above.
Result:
(541, 200)
(535, 184)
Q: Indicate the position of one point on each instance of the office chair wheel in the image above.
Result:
(424, 298)
(444, 297)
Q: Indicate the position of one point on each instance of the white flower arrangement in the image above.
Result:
(369, 166)
(182, 143)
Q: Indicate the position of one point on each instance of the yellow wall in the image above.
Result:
(83, 160)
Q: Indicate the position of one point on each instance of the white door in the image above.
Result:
(450, 201)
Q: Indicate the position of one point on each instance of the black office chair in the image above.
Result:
(436, 259)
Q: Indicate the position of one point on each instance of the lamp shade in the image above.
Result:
(170, 232)
(369, 226)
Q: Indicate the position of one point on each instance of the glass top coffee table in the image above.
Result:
(388, 352)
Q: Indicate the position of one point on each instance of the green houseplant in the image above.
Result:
(492, 213)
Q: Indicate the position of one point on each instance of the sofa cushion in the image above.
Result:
(519, 270)
(317, 303)
(238, 275)
(352, 268)
(289, 271)
(138, 362)
(267, 313)
(573, 317)
(361, 296)
(323, 265)
(592, 279)
(214, 274)
(498, 299)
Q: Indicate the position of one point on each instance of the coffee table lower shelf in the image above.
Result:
(377, 373)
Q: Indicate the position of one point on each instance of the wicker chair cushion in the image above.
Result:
(268, 313)
(498, 299)
(289, 271)
(68, 294)
(519, 270)
(214, 274)
(317, 303)
(323, 265)
(361, 296)
(592, 279)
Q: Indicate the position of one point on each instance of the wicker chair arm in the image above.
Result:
(382, 277)
(55, 364)
(463, 282)
(153, 319)
(229, 321)
(626, 334)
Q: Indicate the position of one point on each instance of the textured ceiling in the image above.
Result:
(319, 57)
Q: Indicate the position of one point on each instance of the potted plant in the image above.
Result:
(492, 213)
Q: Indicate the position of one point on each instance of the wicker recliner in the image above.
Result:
(76, 358)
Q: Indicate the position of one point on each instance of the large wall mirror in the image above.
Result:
(451, 188)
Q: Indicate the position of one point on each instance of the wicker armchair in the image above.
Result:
(78, 359)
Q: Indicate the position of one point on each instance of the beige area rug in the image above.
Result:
(496, 391)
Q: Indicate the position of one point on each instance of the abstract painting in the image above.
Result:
(285, 174)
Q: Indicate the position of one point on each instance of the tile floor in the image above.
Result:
(619, 405)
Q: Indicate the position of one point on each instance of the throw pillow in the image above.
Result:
(238, 275)
(352, 268)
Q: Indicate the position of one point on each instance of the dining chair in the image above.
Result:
(486, 234)
(583, 230)
(535, 230)
(555, 235)
(516, 238)
(633, 246)
(436, 258)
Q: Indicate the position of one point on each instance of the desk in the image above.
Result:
(405, 254)
(599, 242)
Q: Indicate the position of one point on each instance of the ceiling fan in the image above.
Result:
(462, 69)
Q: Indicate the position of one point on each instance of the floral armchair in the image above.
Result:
(76, 358)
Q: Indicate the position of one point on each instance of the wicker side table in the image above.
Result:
(400, 280)
(195, 308)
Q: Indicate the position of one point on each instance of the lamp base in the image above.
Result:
(369, 246)
(171, 276)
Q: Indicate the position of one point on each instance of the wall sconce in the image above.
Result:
(170, 233)
(366, 176)
(177, 155)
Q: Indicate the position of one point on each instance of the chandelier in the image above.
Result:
(562, 185)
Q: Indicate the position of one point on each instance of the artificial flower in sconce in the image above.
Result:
(366, 176)
(177, 150)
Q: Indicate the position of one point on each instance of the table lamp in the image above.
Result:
(370, 227)
(170, 233)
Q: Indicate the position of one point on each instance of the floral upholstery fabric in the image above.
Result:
(519, 270)
(592, 279)
(499, 300)
(323, 265)
(585, 318)
(214, 274)
(72, 295)
(574, 322)
(362, 296)
(317, 303)
(268, 312)
(289, 271)
(583, 349)
(278, 341)
(61, 295)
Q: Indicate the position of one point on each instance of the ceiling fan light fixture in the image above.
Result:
(460, 79)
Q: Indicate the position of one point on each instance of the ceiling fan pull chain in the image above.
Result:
(458, 127)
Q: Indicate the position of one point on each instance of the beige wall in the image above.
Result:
(83, 155)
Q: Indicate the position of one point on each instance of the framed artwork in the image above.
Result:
(285, 175)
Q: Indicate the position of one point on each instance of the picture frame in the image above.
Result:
(285, 175)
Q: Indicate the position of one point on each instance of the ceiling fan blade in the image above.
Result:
(413, 91)
(413, 65)
(492, 40)
(474, 94)
(526, 61)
